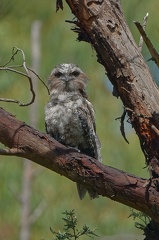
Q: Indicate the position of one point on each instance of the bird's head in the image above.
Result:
(67, 77)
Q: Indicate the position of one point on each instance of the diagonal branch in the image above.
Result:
(151, 48)
(117, 185)
(144, 26)
(104, 24)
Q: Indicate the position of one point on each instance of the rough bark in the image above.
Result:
(102, 24)
(27, 142)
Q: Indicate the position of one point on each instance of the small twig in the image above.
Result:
(12, 57)
(13, 101)
(11, 151)
(144, 26)
(25, 74)
(39, 79)
(11, 69)
(29, 77)
(152, 50)
(122, 127)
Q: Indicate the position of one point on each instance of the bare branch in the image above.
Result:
(11, 152)
(122, 127)
(144, 26)
(12, 57)
(126, 69)
(106, 181)
(11, 69)
(39, 79)
(26, 74)
(152, 50)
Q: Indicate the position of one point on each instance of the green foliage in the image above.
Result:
(70, 230)
(142, 219)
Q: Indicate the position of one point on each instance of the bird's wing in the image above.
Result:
(87, 119)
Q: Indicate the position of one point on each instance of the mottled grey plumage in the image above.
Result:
(69, 116)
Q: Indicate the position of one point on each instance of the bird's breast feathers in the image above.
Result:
(62, 119)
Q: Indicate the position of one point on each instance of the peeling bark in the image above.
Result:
(40, 148)
(104, 24)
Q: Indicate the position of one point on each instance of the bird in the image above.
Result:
(69, 115)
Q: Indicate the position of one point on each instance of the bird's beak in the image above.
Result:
(67, 78)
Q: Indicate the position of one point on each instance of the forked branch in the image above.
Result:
(25, 72)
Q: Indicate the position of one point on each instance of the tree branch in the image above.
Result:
(144, 26)
(152, 50)
(10, 152)
(40, 148)
(104, 25)
(26, 74)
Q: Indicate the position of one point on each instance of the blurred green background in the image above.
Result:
(59, 45)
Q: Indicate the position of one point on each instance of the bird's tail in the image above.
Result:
(82, 192)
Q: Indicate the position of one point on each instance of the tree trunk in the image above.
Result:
(102, 24)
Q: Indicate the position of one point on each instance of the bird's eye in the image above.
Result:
(75, 73)
(58, 74)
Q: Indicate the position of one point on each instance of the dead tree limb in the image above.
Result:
(101, 22)
(132, 191)
(104, 25)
